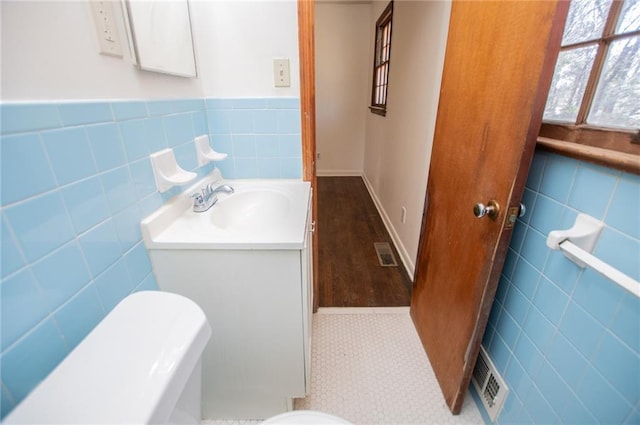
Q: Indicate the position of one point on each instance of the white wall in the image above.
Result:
(398, 146)
(49, 51)
(237, 42)
(342, 43)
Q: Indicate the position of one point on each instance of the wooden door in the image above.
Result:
(498, 67)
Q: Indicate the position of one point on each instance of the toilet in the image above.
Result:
(305, 417)
(141, 365)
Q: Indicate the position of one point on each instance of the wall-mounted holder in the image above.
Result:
(584, 234)
(167, 172)
(577, 244)
(204, 152)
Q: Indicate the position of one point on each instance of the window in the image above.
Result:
(594, 94)
(382, 57)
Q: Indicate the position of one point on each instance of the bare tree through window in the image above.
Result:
(597, 76)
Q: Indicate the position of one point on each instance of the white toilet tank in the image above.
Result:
(140, 365)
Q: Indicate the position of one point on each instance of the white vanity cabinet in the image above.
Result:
(259, 304)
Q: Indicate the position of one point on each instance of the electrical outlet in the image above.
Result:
(318, 155)
(106, 29)
(404, 215)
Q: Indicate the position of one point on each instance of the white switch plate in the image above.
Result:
(106, 29)
(281, 75)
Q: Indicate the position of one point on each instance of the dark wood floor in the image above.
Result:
(348, 225)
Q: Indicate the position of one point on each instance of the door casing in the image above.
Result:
(306, 46)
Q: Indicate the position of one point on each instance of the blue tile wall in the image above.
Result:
(261, 136)
(76, 181)
(567, 340)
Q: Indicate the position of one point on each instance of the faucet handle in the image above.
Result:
(198, 199)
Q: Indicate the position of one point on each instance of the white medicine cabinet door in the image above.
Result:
(160, 34)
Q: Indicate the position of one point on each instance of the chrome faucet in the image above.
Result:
(221, 188)
(207, 197)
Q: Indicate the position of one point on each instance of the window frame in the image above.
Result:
(604, 145)
(381, 61)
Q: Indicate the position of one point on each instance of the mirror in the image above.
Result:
(160, 33)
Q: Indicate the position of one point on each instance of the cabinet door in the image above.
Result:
(306, 257)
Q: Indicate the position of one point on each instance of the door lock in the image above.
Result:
(492, 209)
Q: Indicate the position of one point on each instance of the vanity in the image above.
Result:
(247, 263)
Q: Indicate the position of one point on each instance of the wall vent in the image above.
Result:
(489, 385)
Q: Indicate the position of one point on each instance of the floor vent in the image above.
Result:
(385, 254)
(489, 385)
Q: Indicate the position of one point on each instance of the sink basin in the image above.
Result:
(260, 214)
(253, 211)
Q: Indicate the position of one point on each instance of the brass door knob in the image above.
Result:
(492, 209)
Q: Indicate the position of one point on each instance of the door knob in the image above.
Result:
(492, 209)
(522, 211)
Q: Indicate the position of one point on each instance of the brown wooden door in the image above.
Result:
(498, 67)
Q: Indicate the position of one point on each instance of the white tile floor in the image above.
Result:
(368, 366)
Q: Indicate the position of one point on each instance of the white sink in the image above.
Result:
(260, 214)
(253, 210)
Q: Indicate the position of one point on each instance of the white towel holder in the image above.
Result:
(584, 234)
(577, 244)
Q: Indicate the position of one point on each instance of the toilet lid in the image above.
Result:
(305, 417)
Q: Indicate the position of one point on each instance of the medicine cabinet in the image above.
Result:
(160, 34)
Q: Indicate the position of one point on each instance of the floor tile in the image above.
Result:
(368, 367)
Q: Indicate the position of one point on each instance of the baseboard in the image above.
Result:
(363, 310)
(402, 251)
(338, 173)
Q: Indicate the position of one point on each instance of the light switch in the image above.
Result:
(281, 75)
(106, 30)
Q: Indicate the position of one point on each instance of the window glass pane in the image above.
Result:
(616, 102)
(385, 77)
(629, 19)
(388, 38)
(569, 82)
(383, 38)
(381, 60)
(585, 21)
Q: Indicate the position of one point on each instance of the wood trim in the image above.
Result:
(592, 82)
(609, 158)
(603, 138)
(306, 46)
(608, 38)
(378, 110)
